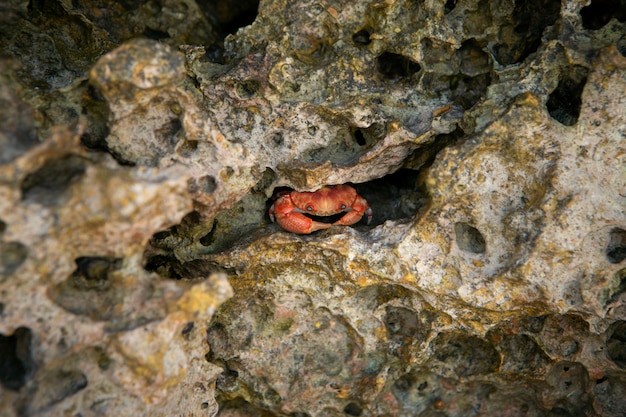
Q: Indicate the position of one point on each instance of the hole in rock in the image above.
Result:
(473, 59)
(89, 290)
(564, 102)
(178, 252)
(47, 184)
(96, 110)
(183, 250)
(404, 384)
(360, 139)
(12, 255)
(278, 139)
(353, 409)
(362, 37)
(92, 272)
(394, 197)
(395, 67)
(230, 15)
(467, 354)
(187, 148)
(348, 145)
(188, 328)
(239, 407)
(208, 238)
(248, 88)
(461, 88)
(155, 34)
(206, 184)
(468, 238)
(16, 363)
(401, 321)
(167, 136)
(449, 6)
(615, 294)
(599, 12)
(425, 156)
(616, 249)
(616, 343)
(621, 46)
(528, 19)
(169, 266)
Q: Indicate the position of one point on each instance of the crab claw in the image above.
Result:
(359, 208)
(298, 223)
(294, 221)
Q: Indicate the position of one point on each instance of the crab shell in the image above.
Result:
(289, 208)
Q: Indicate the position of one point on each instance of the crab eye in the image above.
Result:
(309, 208)
(343, 207)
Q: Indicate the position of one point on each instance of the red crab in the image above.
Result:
(289, 208)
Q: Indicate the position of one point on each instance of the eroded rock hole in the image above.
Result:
(167, 136)
(396, 196)
(528, 20)
(92, 272)
(170, 252)
(467, 354)
(353, 409)
(181, 251)
(449, 6)
(187, 148)
(278, 139)
(12, 256)
(206, 184)
(348, 145)
(616, 249)
(155, 34)
(239, 406)
(616, 343)
(16, 362)
(248, 88)
(395, 67)
(469, 239)
(564, 102)
(230, 15)
(168, 266)
(88, 290)
(362, 37)
(48, 183)
(360, 139)
(424, 156)
(599, 12)
(617, 291)
(401, 321)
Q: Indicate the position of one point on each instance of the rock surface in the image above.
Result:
(140, 148)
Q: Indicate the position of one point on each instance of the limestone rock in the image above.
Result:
(142, 143)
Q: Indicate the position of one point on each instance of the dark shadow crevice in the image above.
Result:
(16, 362)
(48, 184)
(394, 67)
(600, 12)
(565, 101)
(528, 20)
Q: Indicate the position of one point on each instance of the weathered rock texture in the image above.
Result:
(141, 144)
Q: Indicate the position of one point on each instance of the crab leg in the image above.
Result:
(356, 212)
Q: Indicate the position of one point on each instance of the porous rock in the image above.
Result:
(141, 275)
